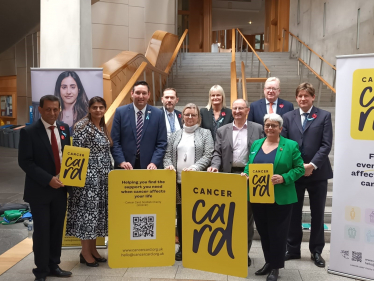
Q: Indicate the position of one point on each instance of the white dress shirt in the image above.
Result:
(136, 113)
(57, 134)
(240, 145)
(302, 121)
(274, 106)
(176, 122)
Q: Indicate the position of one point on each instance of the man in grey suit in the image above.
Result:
(231, 149)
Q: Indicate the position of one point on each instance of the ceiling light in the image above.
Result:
(250, 22)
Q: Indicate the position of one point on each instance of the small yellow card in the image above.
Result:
(261, 189)
(74, 166)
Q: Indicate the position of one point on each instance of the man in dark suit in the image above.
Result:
(139, 132)
(39, 155)
(270, 104)
(311, 128)
(173, 118)
(231, 149)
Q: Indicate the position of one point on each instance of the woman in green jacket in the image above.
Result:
(272, 220)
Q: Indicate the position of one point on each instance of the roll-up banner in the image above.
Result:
(352, 229)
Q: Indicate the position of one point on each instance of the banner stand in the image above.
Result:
(348, 275)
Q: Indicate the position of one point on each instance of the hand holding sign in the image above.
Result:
(74, 166)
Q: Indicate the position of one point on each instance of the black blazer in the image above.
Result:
(178, 113)
(35, 157)
(207, 118)
(314, 143)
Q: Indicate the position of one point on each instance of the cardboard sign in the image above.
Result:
(141, 218)
(261, 189)
(214, 223)
(74, 166)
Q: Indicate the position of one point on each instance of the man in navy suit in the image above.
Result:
(270, 104)
(40, 152)
(311, 128)
(139, 132)
(173, 118)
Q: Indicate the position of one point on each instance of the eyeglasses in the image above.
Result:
(190, 115)
(267, 126)
(238, 108)
(271, 89)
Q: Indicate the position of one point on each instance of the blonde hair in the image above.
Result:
(220, 90)
(192, 106)
(270, 79)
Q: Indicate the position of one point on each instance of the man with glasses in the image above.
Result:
(231, 149)
(270, 104)
(138, 132)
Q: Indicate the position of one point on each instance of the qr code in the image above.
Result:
(142, 227)
(356, 256)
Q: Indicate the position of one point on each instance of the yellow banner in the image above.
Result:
(261, 189)
(74, 166)
(214, 224)
(141, 218)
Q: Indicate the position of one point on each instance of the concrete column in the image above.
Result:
(65, 33)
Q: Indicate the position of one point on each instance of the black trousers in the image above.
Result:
(47, 238)
(317, 196)
(179, 218)
(272, 223)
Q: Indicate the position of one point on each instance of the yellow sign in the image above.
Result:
(362, 116)
(74, 166)
(214, 224)
(261, 189)
(141, 218)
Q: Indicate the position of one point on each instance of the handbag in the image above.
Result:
(12, 216)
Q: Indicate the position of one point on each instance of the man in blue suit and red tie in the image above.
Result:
(139, 132)
(270, 104)
(311, 128)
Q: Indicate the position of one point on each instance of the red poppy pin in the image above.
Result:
(280, 149)
(62, 137)
(223, 113)
(314, 116)
(281, 105)
(179, 115)
(62, 128)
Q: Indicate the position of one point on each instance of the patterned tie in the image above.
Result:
(305, 120)
(171, 121)
(271, 107)
(139, 130)
(56, 154)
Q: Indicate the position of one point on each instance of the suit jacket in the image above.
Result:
(207, 118)
(315, 142)
(258, 110)
(287, 163)
(178, 113)
(153, 140)
(223, 147)
(35, 157)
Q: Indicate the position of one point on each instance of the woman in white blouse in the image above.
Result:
(189, 149)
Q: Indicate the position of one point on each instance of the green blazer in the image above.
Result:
(288, 163)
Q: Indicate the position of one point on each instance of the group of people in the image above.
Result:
(213, 139)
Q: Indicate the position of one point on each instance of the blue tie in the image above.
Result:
(171, 121)
(305, 120)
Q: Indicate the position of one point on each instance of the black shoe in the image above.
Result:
(318, 260)
(273, 276)
(290, 256)
(58, 272)
(101, 259)
(249, 262)
(92, 264)
(264, 270)
(178, 255)
(40, 279)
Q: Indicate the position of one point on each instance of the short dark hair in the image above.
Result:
(49, 98)
(137, 83)
(306, 87)
(170, 89)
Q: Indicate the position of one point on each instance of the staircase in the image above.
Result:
(200, 71)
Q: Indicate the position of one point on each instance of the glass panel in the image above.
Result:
(183, 5)
(182, 24)
(258, 46)
(6, 106)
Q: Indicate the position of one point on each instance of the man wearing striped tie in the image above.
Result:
(138, 132)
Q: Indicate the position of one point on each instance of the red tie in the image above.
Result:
(271, 107)
(56, 154)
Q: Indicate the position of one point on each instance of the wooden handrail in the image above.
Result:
(318, 76)
(175, 54)
(117, 102)
(244, 83)
(234, 89)
(233, 45)
(298, 39)
(253, 50)
(254, 80)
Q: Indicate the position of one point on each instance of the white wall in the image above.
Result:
(341, 28)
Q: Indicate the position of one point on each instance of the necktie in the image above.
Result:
(56, 154)
(139, 130)
(305, 120)
(171, 121)
(271, 107)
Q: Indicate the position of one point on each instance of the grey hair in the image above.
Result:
(193, 106)
(220, 90)
(274, 117)
(270, 79)
(243, 100)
